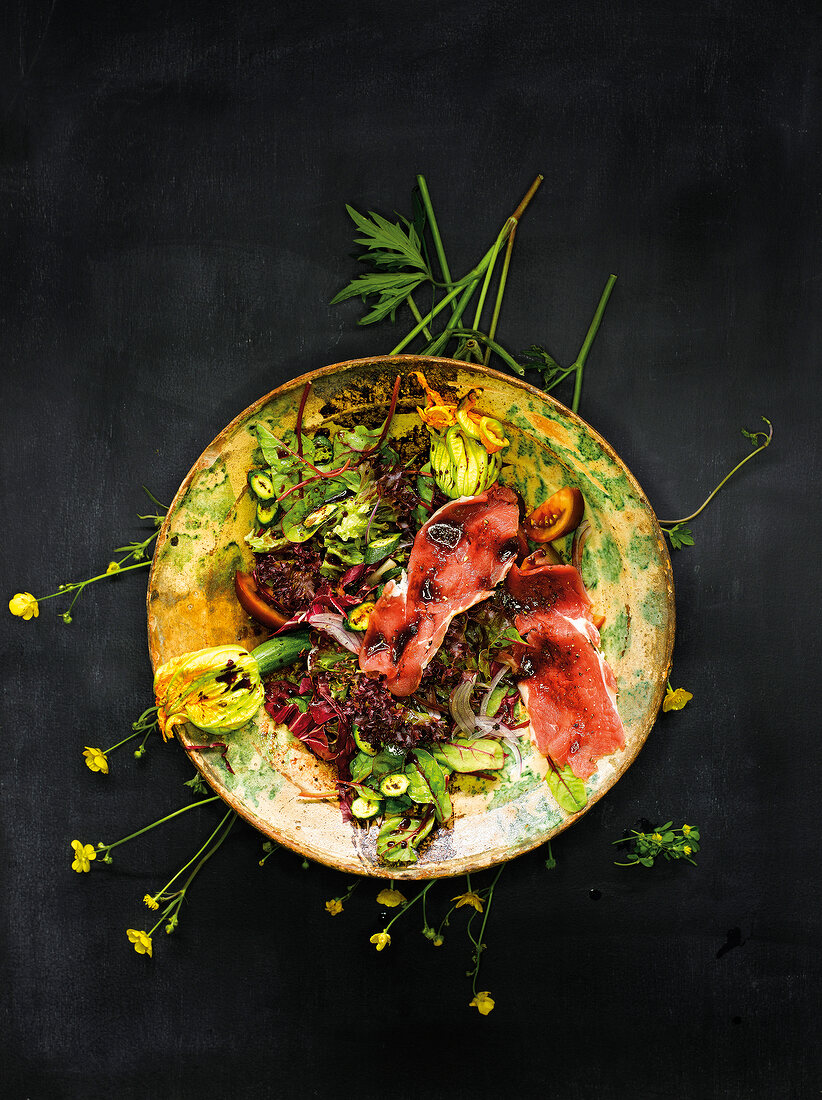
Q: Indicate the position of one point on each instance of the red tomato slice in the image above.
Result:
(248, 595)
(556, 516)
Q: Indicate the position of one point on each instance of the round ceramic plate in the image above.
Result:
(625, 565)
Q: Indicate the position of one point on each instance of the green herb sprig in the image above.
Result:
(679, 534)
(662, 841)
(400, 259)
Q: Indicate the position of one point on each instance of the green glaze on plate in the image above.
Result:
(191, 605)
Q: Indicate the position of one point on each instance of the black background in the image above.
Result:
(173, 178)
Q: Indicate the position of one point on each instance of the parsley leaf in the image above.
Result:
(679, 536)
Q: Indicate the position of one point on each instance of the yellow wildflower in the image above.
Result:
(96, 760)
(380, 940)
(687, 849)
(686, 830)
(141, 941)
(83, 854)
(24, 606)
(334, 907)
(469, 899)
(676, 700)
(437, 941)
(217, 689)
(390, 898)
(657, 837)
(483, 1003)
(151, 902)
(113, 567)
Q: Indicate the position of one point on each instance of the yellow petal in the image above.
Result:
(24, 606)
(390, 898)
(483, 1003)
(676, 700)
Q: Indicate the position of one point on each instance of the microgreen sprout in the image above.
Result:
(269, 848)
(679, 534)
(670, 844)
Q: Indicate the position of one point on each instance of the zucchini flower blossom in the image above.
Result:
(217, 689)
(465, 444)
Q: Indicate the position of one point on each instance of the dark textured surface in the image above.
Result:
(172, 180)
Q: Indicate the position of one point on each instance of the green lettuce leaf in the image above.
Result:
(426, 775)
(567, 789)
(464, 755)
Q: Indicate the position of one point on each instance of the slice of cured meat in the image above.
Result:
(459, 556)
(566, 685)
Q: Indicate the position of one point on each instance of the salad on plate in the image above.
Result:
(426, 631)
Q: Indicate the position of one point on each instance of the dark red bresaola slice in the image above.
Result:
(459, 556)
(565, 683)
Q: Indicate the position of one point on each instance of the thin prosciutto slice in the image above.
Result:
(459, 556)
(566, 685)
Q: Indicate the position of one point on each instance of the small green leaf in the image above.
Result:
(399, 837)
(679, 536)
(361, 766)
(464, 755)
(567, 788)
(431, 776)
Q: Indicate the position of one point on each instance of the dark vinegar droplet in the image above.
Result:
(594, 895)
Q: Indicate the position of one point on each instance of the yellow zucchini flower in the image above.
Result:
(217, 689)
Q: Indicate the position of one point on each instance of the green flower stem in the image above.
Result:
(173, 909)
(171, 882)
(579, 365)
(125, 740)
(454, 320)
(438, 308)
(560, 378)
(408, 904)
(506, 263)
(412, 305)
(108, 847)
(274, 848)
(143, 722)
(767, 441)
(80, 585)
(434, 227)
(479, 944)
(493, 346)
(349, 891)
(486, 282)
(473, 277)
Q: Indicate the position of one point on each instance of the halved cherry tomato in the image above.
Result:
(250, 599)
(556, 516)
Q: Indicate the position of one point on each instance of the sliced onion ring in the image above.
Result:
(580, 538)
(332, 625)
